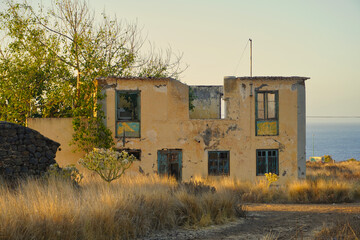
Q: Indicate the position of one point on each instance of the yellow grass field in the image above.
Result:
(135, 206)
(125, 209)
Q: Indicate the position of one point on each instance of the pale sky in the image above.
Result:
(319, 39)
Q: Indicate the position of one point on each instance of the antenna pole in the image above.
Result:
(250, 57)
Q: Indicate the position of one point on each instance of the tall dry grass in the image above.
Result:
(325, 183)
(125, 209)
(346, 228)
(347, 171)
(134, 206)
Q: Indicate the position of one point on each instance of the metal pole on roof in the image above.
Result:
(250, 57)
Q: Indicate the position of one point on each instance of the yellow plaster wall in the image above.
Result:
(285, 142)
(165, 124)
(60, 130)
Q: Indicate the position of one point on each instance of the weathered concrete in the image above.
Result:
(301, 131)
(165, 124)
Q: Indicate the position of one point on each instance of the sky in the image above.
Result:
(316, 39)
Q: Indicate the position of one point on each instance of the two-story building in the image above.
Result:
(244, 129)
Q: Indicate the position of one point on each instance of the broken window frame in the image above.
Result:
(166, 158)
(201, 104)
(222, 164)
(136, 113)
(267, 160)
(265, 111)
(135, 152)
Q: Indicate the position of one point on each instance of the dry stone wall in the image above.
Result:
(24, 152)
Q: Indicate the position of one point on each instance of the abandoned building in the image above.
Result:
(246, 128)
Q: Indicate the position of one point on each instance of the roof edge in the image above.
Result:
(103, 80)
(269, 78)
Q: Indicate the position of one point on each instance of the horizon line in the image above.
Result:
(333, 116)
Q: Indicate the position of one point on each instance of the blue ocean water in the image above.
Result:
(338, 137)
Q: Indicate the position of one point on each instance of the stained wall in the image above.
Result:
(165, 123)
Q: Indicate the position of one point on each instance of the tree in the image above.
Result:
(28, 70)
(109, 164)
(58, 53)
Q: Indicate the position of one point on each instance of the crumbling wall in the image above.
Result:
(24, 152)
(207, 102)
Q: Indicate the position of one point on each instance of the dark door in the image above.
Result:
(169, 163)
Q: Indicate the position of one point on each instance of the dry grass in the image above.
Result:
(325, 183)
(347, 171)
(135, 206)
(346, 228)
(324, 191)
(125, 209)
(270, 236)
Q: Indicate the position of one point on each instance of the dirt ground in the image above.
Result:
(282, 221)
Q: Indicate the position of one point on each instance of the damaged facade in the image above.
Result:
(244, 129)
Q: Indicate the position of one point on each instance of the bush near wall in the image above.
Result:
(24, 152)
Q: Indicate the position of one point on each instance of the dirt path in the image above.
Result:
(284, 221)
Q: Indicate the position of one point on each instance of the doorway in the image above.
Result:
(170, 163)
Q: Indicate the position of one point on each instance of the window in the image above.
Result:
(266, 113)
(267, 161)
(219, 162)
(127, 114)
(135, 152)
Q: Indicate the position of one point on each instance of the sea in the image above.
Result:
(337, 137)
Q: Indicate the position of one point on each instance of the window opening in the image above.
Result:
(170, 163)
(266, 113)
(267, 161)
(219, 163)
(135, 152)
(127, 114)
(222, 108)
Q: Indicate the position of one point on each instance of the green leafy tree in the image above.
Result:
(50, 58)
(108, 164)
(30, 75)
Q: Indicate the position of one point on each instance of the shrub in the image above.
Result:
(196, 187)
(271, 178)
(351, 160)
(68, 173)
(328, 159)
(108, 163)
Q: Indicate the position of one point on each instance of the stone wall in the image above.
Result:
(24, 151)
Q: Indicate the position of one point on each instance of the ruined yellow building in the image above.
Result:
(246, 128)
